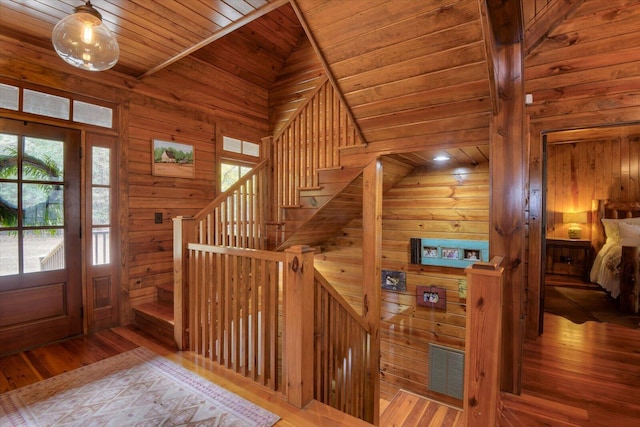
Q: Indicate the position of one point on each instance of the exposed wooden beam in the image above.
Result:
(546, 21)
(503, 30)
(223, 32)
(506, 20)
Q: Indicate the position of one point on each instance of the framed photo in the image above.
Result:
(394, 280)
(450, 253)
(430, 252)
(431, 296)
(472, 254)
(172, 159)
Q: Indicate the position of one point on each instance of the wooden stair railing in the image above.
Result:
(237, 217)
(310, 143)
(343, 359)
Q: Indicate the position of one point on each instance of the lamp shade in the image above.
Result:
(575, 218)
(82, 40)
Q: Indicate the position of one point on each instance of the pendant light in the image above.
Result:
(83, 40)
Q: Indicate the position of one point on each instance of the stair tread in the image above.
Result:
(160, 310)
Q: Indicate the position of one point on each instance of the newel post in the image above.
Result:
(183, 233)
(482, 343)
(299, 325)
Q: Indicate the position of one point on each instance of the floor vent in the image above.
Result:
(446, 370)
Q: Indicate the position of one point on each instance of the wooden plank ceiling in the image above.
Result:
(413, 73)
(594, 50)
(155, 33)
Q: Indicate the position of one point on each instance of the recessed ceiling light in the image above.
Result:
(441, 158)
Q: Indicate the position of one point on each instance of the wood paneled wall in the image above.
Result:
(296, 83)
(396, 74)
(581, 172)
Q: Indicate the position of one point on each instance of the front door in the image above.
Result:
(40, 246)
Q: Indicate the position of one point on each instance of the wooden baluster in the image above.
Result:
(183, 232)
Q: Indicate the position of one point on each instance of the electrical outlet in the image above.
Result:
(462, 288)
(158, 217)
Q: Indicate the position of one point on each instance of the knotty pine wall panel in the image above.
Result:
(150, 244)
(582, 172)
(419, 80)
(295, 84)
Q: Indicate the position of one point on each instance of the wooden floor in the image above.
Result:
(584, 375)
(24, 368)
(593, 367)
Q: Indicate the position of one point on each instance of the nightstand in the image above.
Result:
(571, 257)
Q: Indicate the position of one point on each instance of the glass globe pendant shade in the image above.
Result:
(83, 40)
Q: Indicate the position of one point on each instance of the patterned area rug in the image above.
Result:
(136, 388)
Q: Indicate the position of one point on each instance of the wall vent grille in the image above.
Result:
(446, 370)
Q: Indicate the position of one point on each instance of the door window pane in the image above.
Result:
(43, 250)
(8, 204)
(8, 156)
(42, 205)
(100, 166)
(100, 244)
(43, 160)
(9, 254)
(100, 206)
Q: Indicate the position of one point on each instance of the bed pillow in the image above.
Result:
(629, 234)
(612, 227)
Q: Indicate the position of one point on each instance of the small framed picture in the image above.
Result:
(172, 159)
(394, 280)
(472, 254)
(430, 252)
(431, 296)
(451, 253)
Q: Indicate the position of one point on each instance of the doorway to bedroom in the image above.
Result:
(583, 169)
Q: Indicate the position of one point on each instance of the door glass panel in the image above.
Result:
(8, 204)
(43, 160)
(9, 254)
(8, 156)
(101, 246)
(43, 250)
(100, 206)
(42, 205)
(100, 166)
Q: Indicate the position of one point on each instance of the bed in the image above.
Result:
(616, 239)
